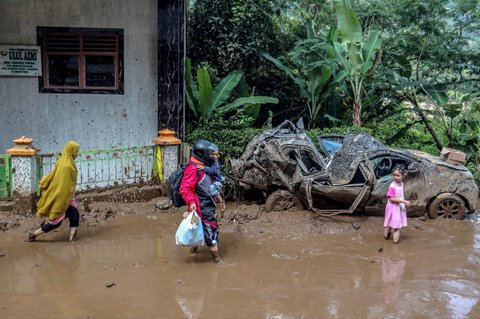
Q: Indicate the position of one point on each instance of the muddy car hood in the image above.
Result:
(266, 162)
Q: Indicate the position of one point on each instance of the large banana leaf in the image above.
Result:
(205, 92)
(332, 37)
(340, 50)
(250, 110)
(318, 77)
(299, 82)
(243, 90)
(348, 23)
(190, 88)
(248, 100)
(337, 79)
(355, 59)
(369, 50)
(225, 87)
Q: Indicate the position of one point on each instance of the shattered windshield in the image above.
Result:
(346, 159)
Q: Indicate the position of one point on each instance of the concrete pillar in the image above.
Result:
(24, 174)
(166, 154)
(171, 56)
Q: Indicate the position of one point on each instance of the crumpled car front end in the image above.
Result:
(279, 158)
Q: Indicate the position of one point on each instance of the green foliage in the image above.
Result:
(310, 65)
(230, 34)
(404, 131)
(356, 55)
(204, 101)
(231, 136)
(429, 52)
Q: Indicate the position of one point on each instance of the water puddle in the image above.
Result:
(130, 267)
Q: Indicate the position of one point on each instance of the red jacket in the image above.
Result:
(187, 186)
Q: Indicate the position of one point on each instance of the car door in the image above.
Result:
(327, 199)
(413, 179)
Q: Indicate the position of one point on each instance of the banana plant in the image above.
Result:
(204, 101)
(311, 70)
(357, 56)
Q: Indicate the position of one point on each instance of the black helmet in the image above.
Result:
(202, 150)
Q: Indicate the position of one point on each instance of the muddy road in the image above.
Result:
(290, 264)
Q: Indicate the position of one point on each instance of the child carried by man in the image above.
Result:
(217, 181)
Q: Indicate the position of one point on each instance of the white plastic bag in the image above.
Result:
(190, 231)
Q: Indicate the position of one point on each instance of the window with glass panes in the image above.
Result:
(81, 60)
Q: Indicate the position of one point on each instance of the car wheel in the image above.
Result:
(283, 200)
(447, 206)
(229, 187)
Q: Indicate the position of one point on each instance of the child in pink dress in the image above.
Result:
(396, 211)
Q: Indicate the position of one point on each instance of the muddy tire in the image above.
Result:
(283, 200)
(229, 187)
(447, 206)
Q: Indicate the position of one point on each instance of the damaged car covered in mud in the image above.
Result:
(348, 174)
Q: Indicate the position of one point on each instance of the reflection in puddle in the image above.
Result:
(460, 305)
(459, 301)
(475, 256)
(332, 310)
(392, 271)
(191, 307)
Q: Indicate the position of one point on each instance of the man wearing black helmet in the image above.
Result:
(196, 193)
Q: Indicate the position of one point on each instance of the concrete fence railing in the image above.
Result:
(23, 167)
(108, 167)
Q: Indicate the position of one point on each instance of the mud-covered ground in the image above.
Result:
(289, 264)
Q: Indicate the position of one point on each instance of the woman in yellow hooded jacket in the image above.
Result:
(58, 190)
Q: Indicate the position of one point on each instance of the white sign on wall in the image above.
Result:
(20, 60)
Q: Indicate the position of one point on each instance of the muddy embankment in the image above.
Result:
(95, 206)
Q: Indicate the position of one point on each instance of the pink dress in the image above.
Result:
(395, 214)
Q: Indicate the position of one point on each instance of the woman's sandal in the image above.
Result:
(31, 237)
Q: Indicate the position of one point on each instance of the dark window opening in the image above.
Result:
(305, 160)
(383, 166)
(358, 178)
(79, 60)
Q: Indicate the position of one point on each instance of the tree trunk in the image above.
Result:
(432, 132)
(357, 113)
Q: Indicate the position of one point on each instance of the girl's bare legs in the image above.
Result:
(396, 236)
(387, 232)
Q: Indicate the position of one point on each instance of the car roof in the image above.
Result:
(355, 147)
